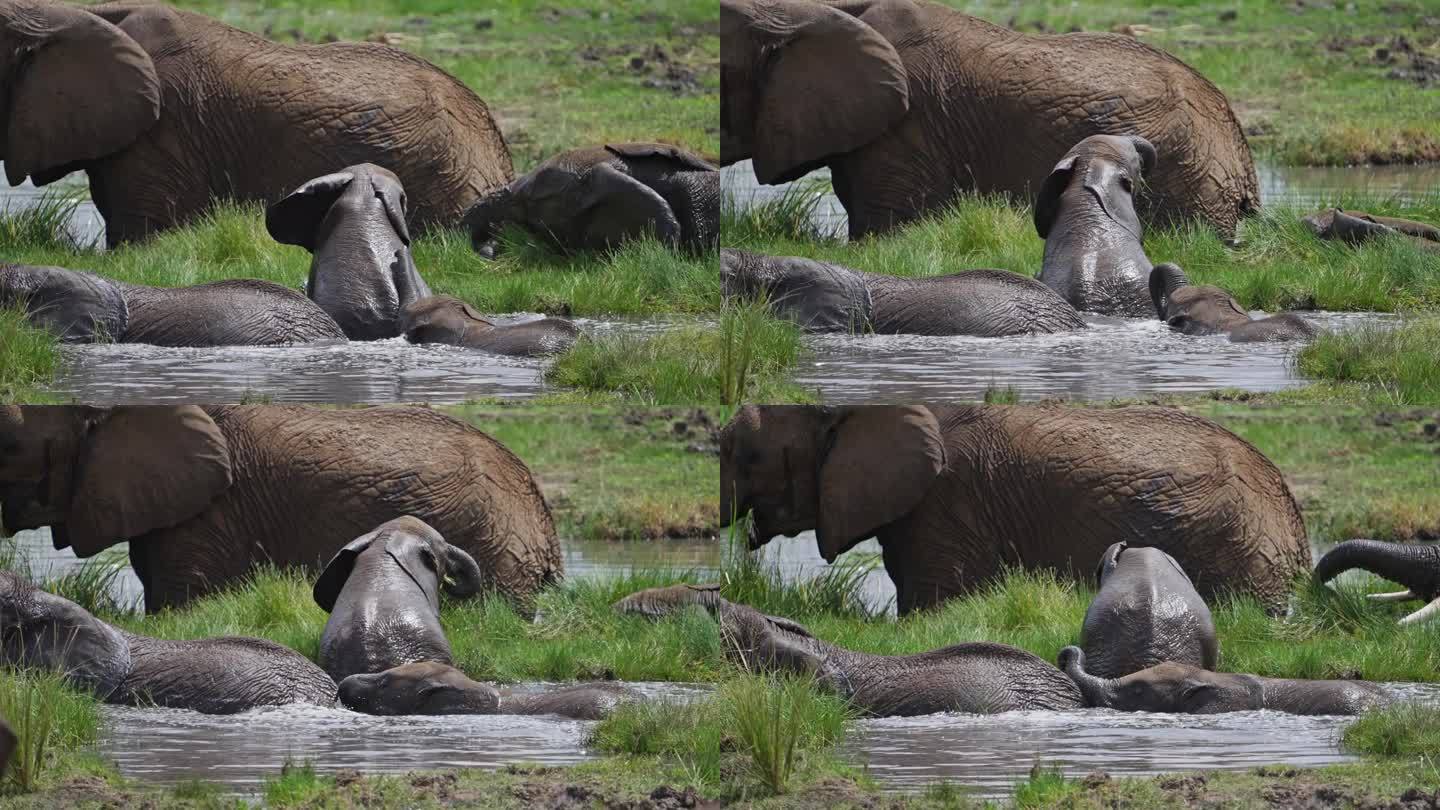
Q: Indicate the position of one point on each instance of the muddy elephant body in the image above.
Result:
(1146, 613)
(433, 688)
(83, 307)
(957, 494)
(597, 197)
(206, 495)
(169, 110)
(824, 297)
(909, 103)
(1416, 566)
(1202, 309)
(1184, 689)
(213, 676)
(445, 319)
(978, 678)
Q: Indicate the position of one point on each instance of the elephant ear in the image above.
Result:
(673, 154)
(142, 469)
(295, 219)
(1109, 560)
(392, 197)
(84, 89)
(831, 85)
(1047, 202)
(616, 206)
(332, 580)
(882, 459)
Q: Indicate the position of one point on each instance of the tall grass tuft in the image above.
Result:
(790, 215)
(756, 350)
(29, 358)
(1401, 361)
(48, 719)
(45, 225)
(834, 591)
(92, 584)
(1402, 730)
(776, 718)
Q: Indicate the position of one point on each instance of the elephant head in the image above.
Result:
(655, 603)
(803, 82)
(1101, 171)
(418, 549)
(1193, 309)
(446, 319)
(45, 631)
(78, 307)
(353, 223)
(1167, 687)
(101, 476)
(424, 687)
(842, 472)
(1415, 566)
(74, 89)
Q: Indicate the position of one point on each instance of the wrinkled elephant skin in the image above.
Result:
(433, 688)
(445, 319)
(1146, 613)
(1206, 310)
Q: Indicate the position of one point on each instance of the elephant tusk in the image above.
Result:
(1430, 611)
(1396, 596)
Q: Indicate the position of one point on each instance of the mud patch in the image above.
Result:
(654, 66)
(1407, 62)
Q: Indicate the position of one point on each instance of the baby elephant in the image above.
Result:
(597, 197)
(82, 307)
(353, 224)
(444, 319)
(430, 687)
(383, 595)
(1206, 310)
(213, 676)
(1147, 612)
(1183, 689)
(1356, 227)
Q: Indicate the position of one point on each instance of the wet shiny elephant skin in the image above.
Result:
(1358, 227)
(213, 676)
(83, 307)
(824, 297)
(957, 494)
(433, 688)
(445, 319)
(169, 110)
(1415, 566)
(976, 678)
(204, 496)
(597, 197)
(1207, 310)
(1184, 689)
(383, 595)
(353, 224)
(1146, 613)
(913, 103)
(1085, 212)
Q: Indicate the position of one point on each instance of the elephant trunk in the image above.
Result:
(462, 574)
(1414, 566)
(1165, 279)
(1098, 692)
(487, 216)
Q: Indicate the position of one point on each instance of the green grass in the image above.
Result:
(49, 721)
(1400, 363)
(1403, 730)
(28, 360)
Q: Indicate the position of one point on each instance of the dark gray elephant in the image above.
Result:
(1413, 565)
(1184, 689)
(823, 297)
(1358, 227)
(82, 307)
(446, 319)
(434, 688)
(383, 595)
(1207, 310)
(7, 745)
(1146, 613)
(1085, 212)
(597, 197)
(214, 676)
(979, 677)
(353, 223)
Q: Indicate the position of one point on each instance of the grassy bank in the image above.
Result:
(28, 359)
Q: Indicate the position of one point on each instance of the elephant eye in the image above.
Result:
(1127, 184)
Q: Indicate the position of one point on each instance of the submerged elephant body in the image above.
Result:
(978, 678)
(445, 319)
(823, 297)
(83, 307)
(1207, 310)
(1146, 613)
(433, 688)
(206, 495)
(169, 110)
(214, 676)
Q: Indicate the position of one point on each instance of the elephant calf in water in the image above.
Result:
(823, 297)
(433, 688)
(1356, 227)
(979, 677)
(82, 307)
(1206, 310)
(444, 319)
(353, 224)
(597, 197)
(1415, 566)
(1183, 689)
(1147, 612)
(383, 595)
(214, 676)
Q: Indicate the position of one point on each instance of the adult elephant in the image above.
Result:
(980, 678)
(432, 688)
(824, 297)
(82, 307)
(1146, 613)
(1184, 689)
(446, 319)
(213, 676)
(597, 197)
(910, 103)
(1202, 309)
(168, 110)
(958, 494)
(205, 495)
(1416, 566)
